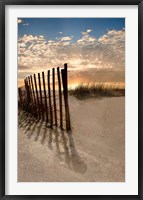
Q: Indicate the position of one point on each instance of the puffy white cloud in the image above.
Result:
(107, 52)
(86, 39)
(66, 38)
(89, 30)
(86, 32)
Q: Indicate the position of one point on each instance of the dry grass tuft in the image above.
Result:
(97, 90)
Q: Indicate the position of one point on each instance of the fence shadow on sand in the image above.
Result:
(57, 140)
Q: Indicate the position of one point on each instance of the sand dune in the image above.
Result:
(93, 151)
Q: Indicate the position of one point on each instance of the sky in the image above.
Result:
(94, 48)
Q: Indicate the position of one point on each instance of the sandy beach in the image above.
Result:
(94, 151)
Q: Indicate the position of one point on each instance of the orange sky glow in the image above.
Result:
(92, 55)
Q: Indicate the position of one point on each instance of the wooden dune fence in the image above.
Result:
(46, 97)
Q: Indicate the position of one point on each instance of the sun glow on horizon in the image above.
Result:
(94, 49)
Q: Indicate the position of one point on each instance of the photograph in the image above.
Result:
(71, 99)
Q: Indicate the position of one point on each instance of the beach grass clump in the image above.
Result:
(84, 91)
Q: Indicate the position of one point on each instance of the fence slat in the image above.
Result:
(35, 104)
(39, 80)
(31, 96)
(44, 104)
(60, 98)
(46, 108)
(50, 105)
(54, 97)
(30, 89)
(20, 97)
(27, 95)
(37, 96)
(65, 90)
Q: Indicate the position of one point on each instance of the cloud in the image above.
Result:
(60, 32)
(89, 30)
(86, 39)
(66, 38)
(97, 76)
(27, 24)
(107, 52)
(86, 32)
(20, 21)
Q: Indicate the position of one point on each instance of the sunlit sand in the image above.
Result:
(94, 151)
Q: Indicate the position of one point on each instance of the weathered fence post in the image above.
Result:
(50, 105)
(35, 105)
(27, 94)
(65, 91)
(60, 98)
(20, 96)
(46, 108)
(41, 96)
(37, 96)
(54, 97)
(31, 98)
(25, 99)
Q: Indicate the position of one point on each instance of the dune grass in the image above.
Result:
(97, 90)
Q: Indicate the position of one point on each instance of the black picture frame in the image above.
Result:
(3, 3)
